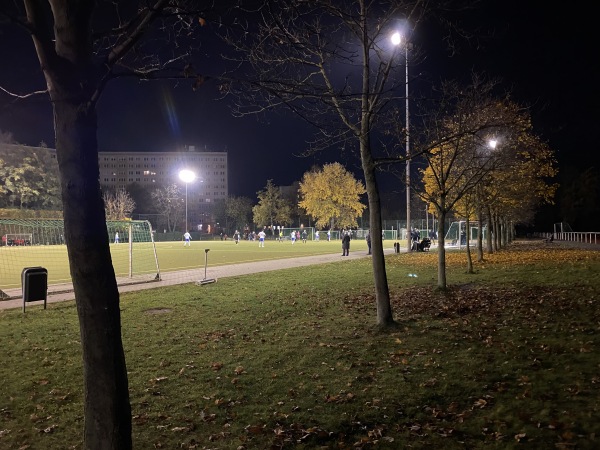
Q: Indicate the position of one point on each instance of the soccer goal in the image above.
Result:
(40, 242)
(287, 232)
(11, 239)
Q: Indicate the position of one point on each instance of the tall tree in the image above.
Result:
(464, 166)
(142, 199)
(170, 202)
(522, 180)
(332, 196)
(118, 205)
(580, 198)
(467, 118)
(272, 208)
(333, 64)
(238, 211)
(81, 46)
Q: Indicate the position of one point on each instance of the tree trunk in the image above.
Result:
(107, 409)
(468, 244)
(442, 250)
(382, 294)
(496, 232)
(499, 233)
(480, 235)
(490, 235)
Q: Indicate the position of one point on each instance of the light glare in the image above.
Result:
(187, 176)
(396, 38)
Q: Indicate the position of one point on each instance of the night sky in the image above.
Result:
(546, 55)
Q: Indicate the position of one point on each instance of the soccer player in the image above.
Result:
(187, 238)
(117, 237)
(261, 238)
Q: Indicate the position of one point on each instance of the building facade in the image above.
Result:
(152, 170)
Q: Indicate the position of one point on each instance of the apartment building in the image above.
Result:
(157, 169)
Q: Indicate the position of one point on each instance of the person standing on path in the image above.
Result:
(368, 238)
(346, 244)
(117, 237)
(187, 237)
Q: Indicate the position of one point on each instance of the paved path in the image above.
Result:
(195, 275)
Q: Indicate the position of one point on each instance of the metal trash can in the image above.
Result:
(34, 285)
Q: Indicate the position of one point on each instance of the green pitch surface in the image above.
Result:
(172, 256)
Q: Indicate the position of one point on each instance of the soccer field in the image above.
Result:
(172, 256)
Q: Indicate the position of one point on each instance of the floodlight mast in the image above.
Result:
(397, 40)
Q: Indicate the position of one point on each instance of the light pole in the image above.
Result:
(397, 40)
(187, 176)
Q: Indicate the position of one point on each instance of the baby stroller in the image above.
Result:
(424, 245)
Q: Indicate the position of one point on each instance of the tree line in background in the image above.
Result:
(28, 179)
(328, 197)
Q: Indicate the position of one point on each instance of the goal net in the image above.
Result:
(17, 239)
(40, 242)
(301, 232)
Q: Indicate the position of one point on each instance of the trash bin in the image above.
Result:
(34, 284)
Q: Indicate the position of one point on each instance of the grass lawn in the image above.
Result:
(172, 256)
(508, 357)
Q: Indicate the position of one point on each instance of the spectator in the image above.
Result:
(346, 244)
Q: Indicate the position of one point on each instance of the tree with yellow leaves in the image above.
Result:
(332, 196)
(461, 157)
(466, 176)
(513, 190)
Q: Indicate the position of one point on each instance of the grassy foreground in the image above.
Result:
(507, 358)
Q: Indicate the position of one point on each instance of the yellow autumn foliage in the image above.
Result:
(332, 194)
